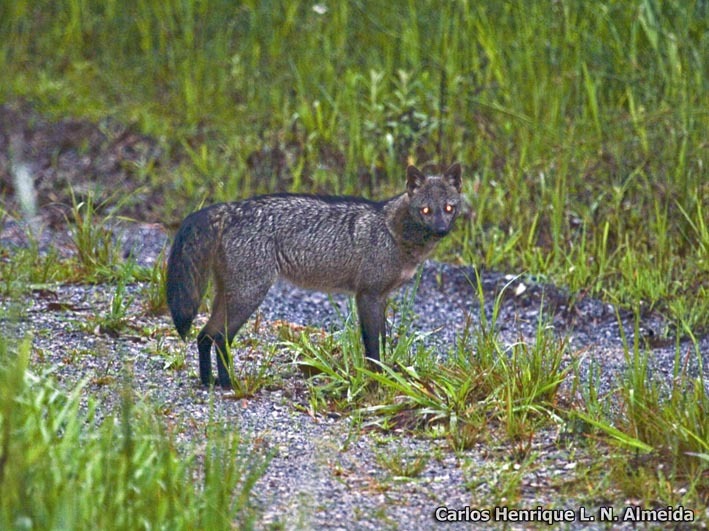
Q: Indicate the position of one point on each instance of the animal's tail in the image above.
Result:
(189, 267)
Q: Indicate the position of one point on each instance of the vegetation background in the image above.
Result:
(583, 126)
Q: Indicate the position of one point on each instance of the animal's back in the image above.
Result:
(317, 242)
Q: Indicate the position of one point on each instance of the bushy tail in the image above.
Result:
(188, 268)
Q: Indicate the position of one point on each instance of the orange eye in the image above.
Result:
(425, 210)
(449, 208)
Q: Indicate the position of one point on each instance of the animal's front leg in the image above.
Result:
(371, 308)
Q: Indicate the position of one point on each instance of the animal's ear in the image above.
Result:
(453, 176)
(414, 179)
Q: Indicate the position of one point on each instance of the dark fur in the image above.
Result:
(326, 243)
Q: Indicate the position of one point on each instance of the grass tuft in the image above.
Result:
(81, 472)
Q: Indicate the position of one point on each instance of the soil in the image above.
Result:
(322, 476)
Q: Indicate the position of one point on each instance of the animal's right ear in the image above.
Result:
(414, 179)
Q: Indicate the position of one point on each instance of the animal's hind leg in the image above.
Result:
(208, 335)
(242, 301)
(204, 344)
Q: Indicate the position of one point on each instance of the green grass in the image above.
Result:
(666, 420)
(582, 127)
(61, 467)
(401, 464)
(486, 392)
(479, 382)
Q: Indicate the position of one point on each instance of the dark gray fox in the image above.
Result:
(326, 243)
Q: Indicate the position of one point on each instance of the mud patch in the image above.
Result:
(107, 159)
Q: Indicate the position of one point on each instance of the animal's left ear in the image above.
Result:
(414, 179)
(453, 176)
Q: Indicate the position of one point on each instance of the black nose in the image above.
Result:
(441, 227)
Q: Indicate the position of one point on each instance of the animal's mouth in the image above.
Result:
(440, 232)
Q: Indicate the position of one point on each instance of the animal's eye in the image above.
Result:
(449, 208)
(425, 210)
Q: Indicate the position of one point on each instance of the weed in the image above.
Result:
(115, 319)
(92, 238)
(25, 267)
(401, 463)
(154, 294)
(459, 396)
(336, 366)
(248, 376)
(175, 358)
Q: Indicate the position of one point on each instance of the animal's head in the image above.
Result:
(434, 200)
